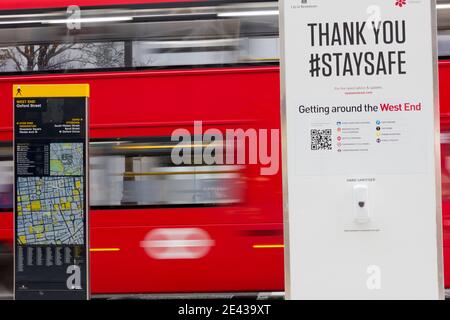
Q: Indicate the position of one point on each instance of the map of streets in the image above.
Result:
(66, 159)
(50, 210)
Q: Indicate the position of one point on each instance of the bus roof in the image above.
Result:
(43, 4)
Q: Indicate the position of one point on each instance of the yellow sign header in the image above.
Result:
(51, 91)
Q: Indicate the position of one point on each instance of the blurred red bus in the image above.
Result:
(156, 227)
(155, 67)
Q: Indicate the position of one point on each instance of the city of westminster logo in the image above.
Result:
(400, 3)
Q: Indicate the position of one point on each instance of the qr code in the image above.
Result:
(321, 139)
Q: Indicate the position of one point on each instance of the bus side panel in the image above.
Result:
(5, 134)
(243, 243)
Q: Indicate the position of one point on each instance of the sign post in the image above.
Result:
(361, 149)
(51, 211)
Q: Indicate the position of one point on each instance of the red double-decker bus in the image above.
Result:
(156, 227)
(155, 67)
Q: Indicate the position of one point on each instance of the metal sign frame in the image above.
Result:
(57, 91)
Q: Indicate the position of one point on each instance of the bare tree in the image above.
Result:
(104, 55)
(3, 59)
(58, 56)
(34, 57)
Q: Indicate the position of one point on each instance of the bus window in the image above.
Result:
(6, 177)
(143, 174)
(213, 34)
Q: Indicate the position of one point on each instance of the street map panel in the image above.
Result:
(50, 210)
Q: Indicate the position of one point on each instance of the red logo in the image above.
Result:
(400, 3)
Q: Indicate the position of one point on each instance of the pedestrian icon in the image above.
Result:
(19, 91)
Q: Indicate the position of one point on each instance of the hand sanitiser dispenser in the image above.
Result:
(361, 203)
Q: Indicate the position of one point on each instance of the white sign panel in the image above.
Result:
(361, 149)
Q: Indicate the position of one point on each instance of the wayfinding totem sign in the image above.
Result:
(361, 149)
(50, 210)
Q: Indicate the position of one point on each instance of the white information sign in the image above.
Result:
(361, 149)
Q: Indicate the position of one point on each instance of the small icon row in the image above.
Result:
(339, 137)
(378, 131)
